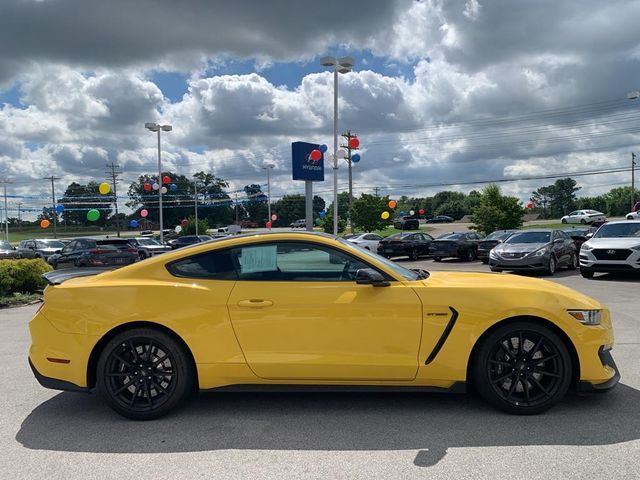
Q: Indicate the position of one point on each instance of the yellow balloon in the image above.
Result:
(384, 215)
(104, 188)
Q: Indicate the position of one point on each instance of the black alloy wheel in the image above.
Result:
(551, 266)
(583, 221)
(142, 254)
(471, 255)
(522, 368)
(143, 374)
(413, 254)
(586, 273)
(573, 262)
(564, 220)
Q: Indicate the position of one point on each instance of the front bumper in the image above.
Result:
(392, 251)
(585, 387)
(524, 263)
(589, 262)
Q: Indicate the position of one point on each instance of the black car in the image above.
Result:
(490, 241)
(462, 245)
(412, 245)
(8, 251)
(406, 223)
(189, 240)
(578, 235)
(90, 252)
(440, 219)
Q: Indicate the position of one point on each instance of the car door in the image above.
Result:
(573, 217)
(299, 314)
(66, 258)
(423, 244)
(567, 245)
(27, 249)
(559, 247)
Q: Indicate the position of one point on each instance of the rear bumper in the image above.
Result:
(585, 387)
(54, 383)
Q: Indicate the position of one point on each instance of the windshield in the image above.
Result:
(576, 232)
(451, 236)
(398, 236)
(49, 244)
(4, 245)
(618, 230)
(146, 241)
(405, 273)
(529, 237)
(351, 235)
(498, 235)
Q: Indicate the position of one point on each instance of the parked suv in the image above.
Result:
(406, 223)
(90, 252)
(614, 247)
(302, 223)
(148, 247)
(39, 248)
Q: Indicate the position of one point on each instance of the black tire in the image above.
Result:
(470, 255)
(494, 269)
(563, 220)
(586, 273)
(523, 377)
(141, 366)
(551, 266)
(629, 217)
(413, 254)
(573, 262)
(583, 221)
(142, 254)
(437, 259)
(485, 261)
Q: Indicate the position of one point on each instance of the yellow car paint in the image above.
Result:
(338, 333)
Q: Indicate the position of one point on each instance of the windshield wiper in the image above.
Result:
(422, 274)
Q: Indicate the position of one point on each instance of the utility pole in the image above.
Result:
(376, 190)
(349, 136)
(236, 208)
(195, 197)
(19, 204)
(5, 182)
(113, 176)
(633, 180)
(53, 178)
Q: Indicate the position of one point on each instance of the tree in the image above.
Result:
(618, 201)
(541, 198)
(444, 197)
(563, 196)
(327, 223)
(496, 212)
(289, 208)
(343, 205)
(365, 213)
(256, 207)
(453, 208)
(79, 199)
(190, 227)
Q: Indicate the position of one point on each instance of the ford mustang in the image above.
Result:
(304, 310)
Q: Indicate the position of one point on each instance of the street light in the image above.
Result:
(633, 96)
(339, 65)
(268, 166)
(154, 127)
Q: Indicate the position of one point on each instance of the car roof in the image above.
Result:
(621, 221)
(540, 230)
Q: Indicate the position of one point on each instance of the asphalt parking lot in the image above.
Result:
(54, 435)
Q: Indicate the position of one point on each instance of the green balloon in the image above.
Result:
(93, 215)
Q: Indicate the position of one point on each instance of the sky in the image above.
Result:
(443, 95)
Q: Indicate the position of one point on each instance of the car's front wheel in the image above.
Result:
(551, 266)
(413, 254)
(144, 373)
(586, 273)
(583, 221)
(470, 255)
(522, 368)
(573, 262)
(564, 220)
(437, 259)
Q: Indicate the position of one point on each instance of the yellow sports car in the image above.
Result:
(292, 310)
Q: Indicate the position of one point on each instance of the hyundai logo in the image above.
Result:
(611, 252)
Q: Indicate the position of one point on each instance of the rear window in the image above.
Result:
(451, 236)
(216, 265)
(108, 244)
(530, 237)
(498, 235)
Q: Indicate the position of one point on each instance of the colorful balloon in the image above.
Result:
(166, 179)
(93, 215)
(530, 205)
(184, 222)
(104, 188)
(341, 153)
(421, 211)
(354, 143)
(323, 214)
(44, 223)
(147, 187)
(144, 213)
(133, 224)
(59, 208)
(178, 229)
(392, 204)
(268, 224)
(274, 217)
(173, 187)
(384, 215)
(156, 186)
(412, 212)
(355, 158)
(315, 155)
(164, 190)
(322, 148)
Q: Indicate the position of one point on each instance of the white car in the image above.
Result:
(365, 240)
(584, 217)
(633, 215)
(615, 247)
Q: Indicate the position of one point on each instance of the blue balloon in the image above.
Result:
(322, 148)
(355, 158)
(133, 224)
(173, 187)
(322, 214)
(151, 181)
(59, 208)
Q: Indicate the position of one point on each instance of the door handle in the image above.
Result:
(255, 303)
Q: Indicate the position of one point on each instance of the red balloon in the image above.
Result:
(354, 143)
(184, 222)
(147, 186)
(166, 179)
(268, 224)
(315, 155)
(421, 211)
(530, 205)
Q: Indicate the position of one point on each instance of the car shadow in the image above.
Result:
(429, 423)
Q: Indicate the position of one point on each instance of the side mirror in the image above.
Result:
(369, 276)
(589, 235)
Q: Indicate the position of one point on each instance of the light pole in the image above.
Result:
(268, 166)
(195, 197)
(633, 96)
(154, 127)
(339, 65)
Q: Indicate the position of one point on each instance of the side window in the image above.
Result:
(376, 236)
(70, 247)
(427, 236)
(295, 261)
(214, 265)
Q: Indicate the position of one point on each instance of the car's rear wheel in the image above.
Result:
(470, 255)
(413, 254)
(142, 254)
(485, 260)
(573, 262)
(583, 221)
(522, 368)
(586, 273)
(437, 259)
(564, 220)
(143, 374)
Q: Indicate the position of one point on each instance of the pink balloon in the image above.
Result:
(144, 213)
(274, 217)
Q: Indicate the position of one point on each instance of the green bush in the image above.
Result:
(22, 276)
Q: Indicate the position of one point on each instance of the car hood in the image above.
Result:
(627, 242)
(520, 247)
(511, 284)
(49, 250)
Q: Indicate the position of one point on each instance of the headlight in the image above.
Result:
(637, 247)
(493, 254)
(588, 317)
(587, 247)
(540, 252)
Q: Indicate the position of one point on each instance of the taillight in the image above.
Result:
(97, 251)
(131, 250)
